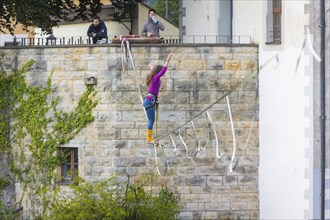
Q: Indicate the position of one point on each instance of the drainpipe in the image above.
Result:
(322, 106)
(231, 22)
(181, 14)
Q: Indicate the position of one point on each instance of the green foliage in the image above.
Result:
(44, 13)
(112, 199)
(4, 183)
(124, 9)
(7, 213)
(33, 130)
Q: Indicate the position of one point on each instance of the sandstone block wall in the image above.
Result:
(197, 76)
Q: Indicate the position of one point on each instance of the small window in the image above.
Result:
(274, 22)
(69, 166)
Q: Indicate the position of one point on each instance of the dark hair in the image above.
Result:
(151, 9)
(97, 18)
(153, 72)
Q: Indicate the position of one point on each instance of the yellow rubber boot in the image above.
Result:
(149, 136)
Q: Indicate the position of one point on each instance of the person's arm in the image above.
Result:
(144, 31)
(103, 31)
(163, 70)
(169, 56)
(90, 31)
(161, 26)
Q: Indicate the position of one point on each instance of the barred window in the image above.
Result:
(274, 22)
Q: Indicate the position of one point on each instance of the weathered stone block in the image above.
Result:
(247, 180)
(230, 180)
(183, 171)
(185, 215)
(232, 65)
(191, 64)
(197, 197)
(191, 206)
(217, 206)
(249, 65)
(214, 180)
(247, 197)
(238, 205)
(209, 215)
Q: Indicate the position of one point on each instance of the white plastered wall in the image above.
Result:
(284, 120)
(285, 126)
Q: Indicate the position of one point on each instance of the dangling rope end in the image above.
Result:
(232, 166)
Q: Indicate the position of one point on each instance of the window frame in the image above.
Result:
(74, 166)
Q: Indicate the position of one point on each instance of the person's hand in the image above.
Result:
(94, 34)
(169, 56)
(154, 19)
(149, 34)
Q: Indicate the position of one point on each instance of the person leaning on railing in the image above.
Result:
(98, 31)
(152, 26)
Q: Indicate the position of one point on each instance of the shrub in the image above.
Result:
(111, 199)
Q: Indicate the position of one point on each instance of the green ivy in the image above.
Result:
(33, 129)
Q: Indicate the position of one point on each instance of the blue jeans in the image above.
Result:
(149, 106)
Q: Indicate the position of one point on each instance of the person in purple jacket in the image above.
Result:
(153, 83)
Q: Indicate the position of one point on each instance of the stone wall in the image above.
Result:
(198, 75)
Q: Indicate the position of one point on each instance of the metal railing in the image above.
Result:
(168, 39)
(19, 41)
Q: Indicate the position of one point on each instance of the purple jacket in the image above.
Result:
(155, 83)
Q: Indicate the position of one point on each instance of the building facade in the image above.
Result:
(290, 174)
